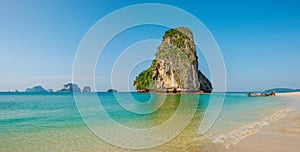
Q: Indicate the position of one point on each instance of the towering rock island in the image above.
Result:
(175, 68)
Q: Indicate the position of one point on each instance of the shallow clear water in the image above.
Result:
(51, 121)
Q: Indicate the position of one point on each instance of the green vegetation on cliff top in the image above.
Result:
(177, 36)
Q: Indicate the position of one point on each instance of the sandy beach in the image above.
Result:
(281, 136)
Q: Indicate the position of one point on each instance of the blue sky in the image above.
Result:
(260, 41)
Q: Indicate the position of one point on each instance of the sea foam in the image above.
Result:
(234, 137)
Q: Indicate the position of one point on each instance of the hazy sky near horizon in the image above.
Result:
(259, 40)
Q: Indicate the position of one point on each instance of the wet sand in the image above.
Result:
(281, 136)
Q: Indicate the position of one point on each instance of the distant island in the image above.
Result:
(69, 87)
(36, 89)
(112, 90)
(86, 89)
(282, 90)
(175, 67)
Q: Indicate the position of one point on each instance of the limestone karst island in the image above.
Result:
(160, 76)
(175, 67)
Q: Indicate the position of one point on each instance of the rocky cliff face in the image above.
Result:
(205, 84)
(175, 67)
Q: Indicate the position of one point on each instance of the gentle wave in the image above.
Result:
(234, 137)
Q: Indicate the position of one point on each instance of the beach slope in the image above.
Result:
(282, 136)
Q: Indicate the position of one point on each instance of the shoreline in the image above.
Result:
(281, 135)
(234, 137)
(289, 94)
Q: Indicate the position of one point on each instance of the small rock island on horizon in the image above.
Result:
(86, 89)
(175, 67)
(69, 87)
(112, 90)
(36, 89)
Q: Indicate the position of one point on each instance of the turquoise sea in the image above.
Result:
(51, 121)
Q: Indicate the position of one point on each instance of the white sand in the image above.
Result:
(291, 94)
(282, 136)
